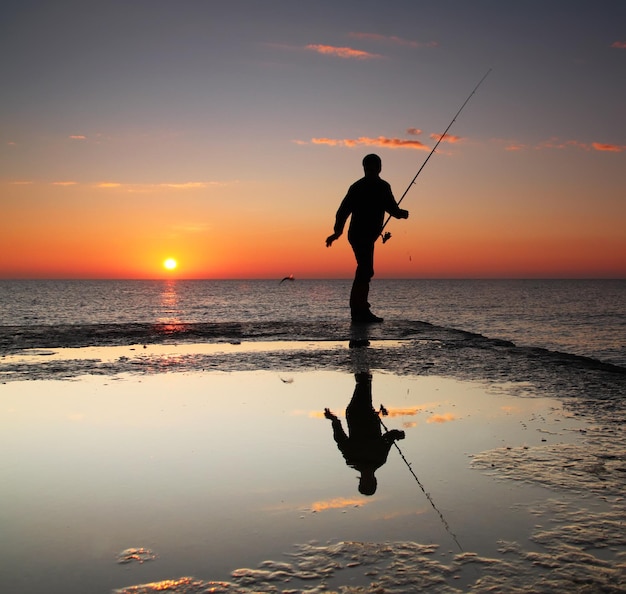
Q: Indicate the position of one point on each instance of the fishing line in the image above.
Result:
(383, 411)
(386, 236)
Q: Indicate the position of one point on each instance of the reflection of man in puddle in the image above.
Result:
(365, 448)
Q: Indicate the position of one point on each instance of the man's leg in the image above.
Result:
(363, 421)
(358, 297)
(359, 306)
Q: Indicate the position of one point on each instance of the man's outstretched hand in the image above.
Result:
(329, 415)
(331, 238)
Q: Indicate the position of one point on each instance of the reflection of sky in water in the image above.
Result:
(216, 471)
(159, 354)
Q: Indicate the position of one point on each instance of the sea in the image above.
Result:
(174, 435)
(579, 317)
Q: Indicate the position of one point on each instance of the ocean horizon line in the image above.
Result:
(321, 278)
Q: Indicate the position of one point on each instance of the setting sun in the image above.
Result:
(170, 264)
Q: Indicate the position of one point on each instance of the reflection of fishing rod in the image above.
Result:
(383, 412)
(387, 236)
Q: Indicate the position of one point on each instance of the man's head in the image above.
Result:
(372, 164)
(367, 482)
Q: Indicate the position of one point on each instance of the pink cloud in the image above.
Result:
(337, 503)
(403, 412)
(139, 188)
(328, 141)
(613, 148)
(342, 52)
(577, 144)
(509, 144)
(393, 39)
(380, 141)
(619, 44)
(451, 138)
(78, 137)
(413, 131)
(555, 143)
(186, 185)
(445, 418)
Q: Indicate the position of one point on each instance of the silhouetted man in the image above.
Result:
(366, 447)
(367, 200)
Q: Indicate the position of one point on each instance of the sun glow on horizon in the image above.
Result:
(170, 264)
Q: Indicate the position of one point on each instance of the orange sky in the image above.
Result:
(230, 148)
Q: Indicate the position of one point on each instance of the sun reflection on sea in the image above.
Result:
(170, 309)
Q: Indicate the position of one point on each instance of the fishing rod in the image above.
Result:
(383, 412)
(387, 236)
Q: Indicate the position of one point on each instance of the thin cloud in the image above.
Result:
(200, 185)
(159, 186)
(510, 409)
(342, 52)
(446, 418)
(619, 44)
(113, 185)
(612, 148)
(509, 144)
(404, 412)
(413, 131)
(78, 137)
(556, 143)
(337, 503)
(380, 141)
(392, 39)
(187, 185)
(450, 138)
(394, 515)
(515, 146)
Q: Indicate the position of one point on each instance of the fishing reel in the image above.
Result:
(386, 236)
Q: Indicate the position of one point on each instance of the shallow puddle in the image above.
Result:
(236, 479)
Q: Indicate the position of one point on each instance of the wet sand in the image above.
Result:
(191, 479)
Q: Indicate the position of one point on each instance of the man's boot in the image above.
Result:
(359, 307)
